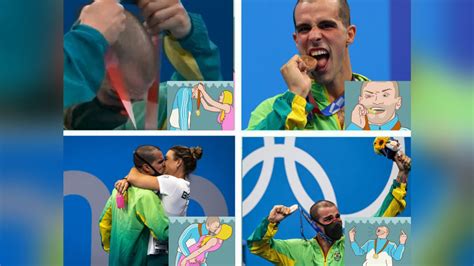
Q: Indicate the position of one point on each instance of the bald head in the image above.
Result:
(136, 57)
(387, 84)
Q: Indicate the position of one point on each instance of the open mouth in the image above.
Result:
(376, 110)
(322, 55)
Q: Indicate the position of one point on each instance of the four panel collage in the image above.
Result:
(245, 132)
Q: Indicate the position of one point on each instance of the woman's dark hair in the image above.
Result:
(189, 157)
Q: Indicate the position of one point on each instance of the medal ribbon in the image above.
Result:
(116, 80)
(331, 109)
(313, 225)
(151, 112)
(376, 255)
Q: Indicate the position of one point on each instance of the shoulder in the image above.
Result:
(268, 102)
(212, 241)
(265, 106)
(169, 178)
(142, 193)
(391, 244)
(192, 226)
(293, 242)
(359, 77)
(173, 180)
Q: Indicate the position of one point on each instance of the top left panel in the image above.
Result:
(148, 64)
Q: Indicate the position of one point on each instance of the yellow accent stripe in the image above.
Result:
(262, 248)
(182, 60)
(322, 252)
(297, 116)
(398, 204)
(105, 229)
(144, 221)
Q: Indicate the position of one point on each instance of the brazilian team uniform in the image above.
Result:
(290, 111)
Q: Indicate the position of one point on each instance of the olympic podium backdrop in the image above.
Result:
(93, 164)
(292, 170)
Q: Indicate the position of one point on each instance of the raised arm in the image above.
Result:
(141, 180)
(404, 166)
(211, 102)
(189, 233)
(262, 243)
(209, 108)
(395, 202)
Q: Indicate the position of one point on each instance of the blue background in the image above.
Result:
(356, 173)
(110, 158)
(381, 50)
(218, 16)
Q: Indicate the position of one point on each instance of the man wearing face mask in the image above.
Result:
(315, 77)
(125, 232)
(326, 248)
(170, 181)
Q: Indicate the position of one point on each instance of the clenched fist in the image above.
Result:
(295, 74)
(359, 115)
(279, 212)
(106, 16)
(403, 161)
(352, 234)
(403, 238)
(165, 15)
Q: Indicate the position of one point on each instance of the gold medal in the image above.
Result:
(376, 255)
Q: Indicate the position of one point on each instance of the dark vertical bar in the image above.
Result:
(400, 39)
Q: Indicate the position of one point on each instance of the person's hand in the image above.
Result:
(352, 234)
(403, 162)
(358, 115)
(106, 16)
(184, 262)
(192, 260)
(122, 186)
(278, 213)
(295, 74)
(201, 87)
(165, 15)
(403, 238)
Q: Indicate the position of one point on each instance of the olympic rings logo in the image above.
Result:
(270, 151)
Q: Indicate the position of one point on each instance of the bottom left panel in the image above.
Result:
(117, 221)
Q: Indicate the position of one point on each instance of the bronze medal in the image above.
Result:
(310, 62)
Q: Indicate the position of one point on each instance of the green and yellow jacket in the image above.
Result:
(194, 57)
(125, 232)
(394, 203)
(288, 111)
(292, 251)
